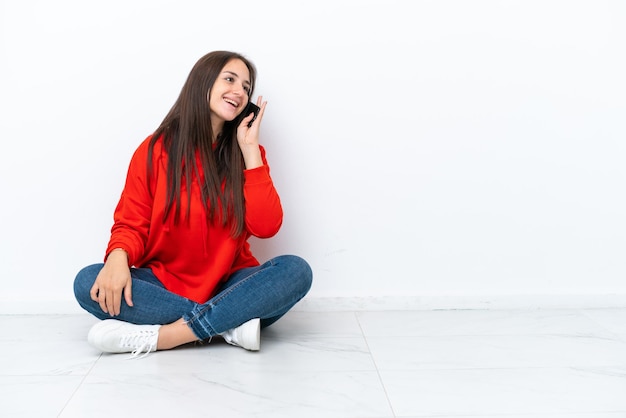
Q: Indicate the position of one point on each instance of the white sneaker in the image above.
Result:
(247, 335)
(113, 336)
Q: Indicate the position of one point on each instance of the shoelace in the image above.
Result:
(142, 341)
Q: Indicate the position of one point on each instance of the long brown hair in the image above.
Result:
(187, 132)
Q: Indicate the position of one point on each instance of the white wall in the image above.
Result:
(447, 153)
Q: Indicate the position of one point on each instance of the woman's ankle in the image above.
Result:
(175, 334)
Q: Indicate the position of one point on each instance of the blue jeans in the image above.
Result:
(267, 292)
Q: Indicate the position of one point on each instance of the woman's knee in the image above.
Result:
(299, 270)
(84, 281)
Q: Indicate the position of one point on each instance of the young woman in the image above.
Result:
(178, 267)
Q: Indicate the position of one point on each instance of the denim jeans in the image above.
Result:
(267, 292)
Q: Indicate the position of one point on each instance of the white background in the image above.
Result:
(450, 153)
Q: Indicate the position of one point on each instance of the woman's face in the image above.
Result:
(229, 94)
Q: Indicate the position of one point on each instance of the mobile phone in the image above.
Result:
(251, 108)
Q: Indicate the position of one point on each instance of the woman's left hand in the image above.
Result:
(248, 137)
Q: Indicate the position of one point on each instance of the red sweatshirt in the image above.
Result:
(189, 258)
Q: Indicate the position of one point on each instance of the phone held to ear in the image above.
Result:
(251, 108)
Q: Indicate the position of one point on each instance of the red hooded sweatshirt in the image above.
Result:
(191, 257)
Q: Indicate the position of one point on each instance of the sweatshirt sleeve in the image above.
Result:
(264, 212)
(134, 209)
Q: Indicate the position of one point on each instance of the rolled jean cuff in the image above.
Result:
(201, 328)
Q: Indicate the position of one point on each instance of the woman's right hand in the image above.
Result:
(113, 280)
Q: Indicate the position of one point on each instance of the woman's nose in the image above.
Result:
(239, 90)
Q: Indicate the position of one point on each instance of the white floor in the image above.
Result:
(473, 363)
